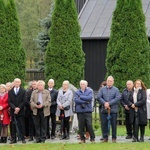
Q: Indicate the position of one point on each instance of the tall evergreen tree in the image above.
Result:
(3, 35)
(15, 53)
(64, 60)
(130, 52)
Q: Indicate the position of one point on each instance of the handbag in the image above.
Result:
(67, 107)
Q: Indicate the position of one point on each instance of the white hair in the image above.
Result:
(51, 80)
(110, 77)
(84, 82)
(40, 82)
(17, 79)
(66, 81)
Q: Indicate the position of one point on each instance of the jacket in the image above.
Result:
(46, 102)
(110, 95)
(83, 101)
(18, 100)
(65, 99)
(4, 111)
(141, 104)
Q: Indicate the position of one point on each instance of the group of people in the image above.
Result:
(133, 99)
(40, 105)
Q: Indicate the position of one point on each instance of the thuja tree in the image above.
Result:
(15, 53)
(3, 47)
(130, 52)
(64, 56)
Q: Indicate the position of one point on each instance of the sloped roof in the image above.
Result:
(96, 17)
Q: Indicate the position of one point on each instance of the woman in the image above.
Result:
(4, 115)
(64, 108)
(138, 112)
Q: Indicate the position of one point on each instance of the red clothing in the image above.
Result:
(5, 105)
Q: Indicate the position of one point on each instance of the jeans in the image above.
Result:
(106, 125)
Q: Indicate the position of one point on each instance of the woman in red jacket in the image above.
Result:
(4, 115)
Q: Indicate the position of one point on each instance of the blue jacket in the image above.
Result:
(110, 95)
(83, 101)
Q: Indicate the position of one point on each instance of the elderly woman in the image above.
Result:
(4, 115)
(64, 108)
(138, 111)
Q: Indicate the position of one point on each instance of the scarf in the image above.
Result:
(135, 94)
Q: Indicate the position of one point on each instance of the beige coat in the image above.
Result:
(46, 102)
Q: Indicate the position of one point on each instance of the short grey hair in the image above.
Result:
(110, 77)
(40, 82)
(51, 80)
(84, 81)
(17, 79)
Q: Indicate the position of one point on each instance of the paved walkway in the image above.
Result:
(73, 139)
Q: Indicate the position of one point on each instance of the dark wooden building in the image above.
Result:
(95, 19)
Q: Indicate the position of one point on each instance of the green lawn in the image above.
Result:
(97, 146)
(88, 146)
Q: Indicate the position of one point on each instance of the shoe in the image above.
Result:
(128, 137)
(135, 140)
(141, 139)
(31, 139)
(101, 138)
(63, 137)
(82, 141)
(52, 137)
(113, 140)
(13, 141)
(104, 141)
(92, 141)
(23, 141)
(38, 141)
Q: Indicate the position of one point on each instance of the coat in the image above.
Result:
(83, 101)
(53, 94)
(46, 102)
(18, 100)
(141, 104)
(4, 111)
(65, 100)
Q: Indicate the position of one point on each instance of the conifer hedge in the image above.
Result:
(64, 55)
(128, 51)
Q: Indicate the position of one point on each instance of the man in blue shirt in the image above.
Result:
(109, 97)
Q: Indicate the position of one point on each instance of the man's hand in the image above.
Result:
(17, 109)
(106, 105)
(126, 107)
(39, 106)
(133, 106)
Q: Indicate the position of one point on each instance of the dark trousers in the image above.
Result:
(128, 124)
(53, 124)
(85, 121)
(20, 124)
(105, 125)
(40, 123)
(31, 126)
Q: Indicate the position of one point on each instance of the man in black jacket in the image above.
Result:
(17, 100)
(124, 102)
(53, 107)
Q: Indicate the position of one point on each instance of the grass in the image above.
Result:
(88, 146)
(60, 146)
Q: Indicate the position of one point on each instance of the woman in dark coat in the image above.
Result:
(138, 112)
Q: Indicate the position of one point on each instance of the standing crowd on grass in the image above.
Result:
(31, 113)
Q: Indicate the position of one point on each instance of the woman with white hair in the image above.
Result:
(4, 115)
(64, 108)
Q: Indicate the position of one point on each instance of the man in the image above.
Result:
(53, 107)
(40, 104)
(124, 103)
(17, 100)
(108, 97)
(83, 101)
(29, 112)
